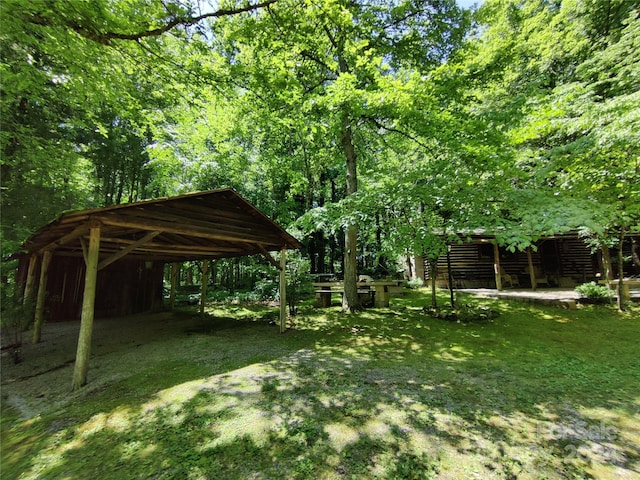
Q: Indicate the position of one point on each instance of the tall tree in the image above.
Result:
(560, 79)
(82, 82)
(337, 66)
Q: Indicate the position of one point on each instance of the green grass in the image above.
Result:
(539, 392)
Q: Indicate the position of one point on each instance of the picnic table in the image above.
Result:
(377, 292)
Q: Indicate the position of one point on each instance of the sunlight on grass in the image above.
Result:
(389, 394)
(341, 435)
(118, 420)
(254, 424)
(137, 450)
(453, 353)
(176, 395)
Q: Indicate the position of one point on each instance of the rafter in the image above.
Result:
(108, 261)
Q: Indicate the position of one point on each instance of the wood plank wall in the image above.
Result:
(123, 288)
(567, 262)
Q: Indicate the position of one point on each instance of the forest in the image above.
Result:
(369, 129)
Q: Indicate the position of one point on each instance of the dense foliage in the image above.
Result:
(366, 126)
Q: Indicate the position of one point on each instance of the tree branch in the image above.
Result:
(379, 124)
(105, 38)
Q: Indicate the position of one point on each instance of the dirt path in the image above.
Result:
(43, 379)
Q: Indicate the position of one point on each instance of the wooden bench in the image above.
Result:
(377, 292)
(323, 296)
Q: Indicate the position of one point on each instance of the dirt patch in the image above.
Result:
(43, 379)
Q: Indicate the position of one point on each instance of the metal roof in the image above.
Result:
(195, 226)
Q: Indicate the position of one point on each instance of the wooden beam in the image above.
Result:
(88, 302)
(496, 266)
(268, 256)
(85, 254)
(188, 248)
(75, 233)
(42, 292)
(283, 290)
(117, 256)
(173, 227)
(31, 279)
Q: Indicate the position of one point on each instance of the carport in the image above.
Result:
(196, 226)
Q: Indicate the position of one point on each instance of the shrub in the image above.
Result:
(415, 283)
(267, 288)
(465, 313)
(299, 280)
(15, 318)
(594, 292)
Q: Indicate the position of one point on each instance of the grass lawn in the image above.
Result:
(539, 392)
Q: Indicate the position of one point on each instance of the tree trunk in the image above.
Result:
(283, 290)
(532, 273)
(621, 272)
(350, 300)
(203, 287)
(496, 266)
(606, 263)
(635, 258)
(380, 267)
(333, 254)
(408, 266)
(433, 267)
(175, 270)
(450, 278)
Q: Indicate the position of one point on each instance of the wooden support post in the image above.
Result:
(496, 266)
(88, 302)
(175, 268)
(42, 293)
(203, 288)
(532, 272)
(283, 290)
(31, 279)
(419, 261)
(381, 298)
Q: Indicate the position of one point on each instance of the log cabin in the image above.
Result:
(559, 261)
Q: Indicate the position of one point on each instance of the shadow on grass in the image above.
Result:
(386, 393)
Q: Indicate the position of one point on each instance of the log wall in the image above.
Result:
(567, 262)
